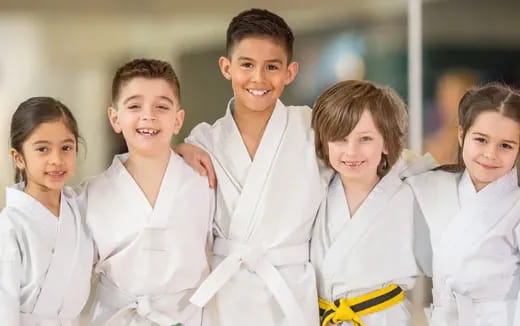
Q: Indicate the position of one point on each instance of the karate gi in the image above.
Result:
(151, 259)
(355, 255)
(45, 261)
(264, 215)
(474, 238)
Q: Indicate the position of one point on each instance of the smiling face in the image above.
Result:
(258, 70)
(48, 157)
(490, 147)
(148, 114)
(356, 157)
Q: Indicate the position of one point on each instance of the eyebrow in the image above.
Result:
(46, 142)
(140, 96)
(504, 140)
(251, 59)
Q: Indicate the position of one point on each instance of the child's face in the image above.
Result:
(357, 156)
(258, 70)
(490, 147)
(148, 114)
(48, 156)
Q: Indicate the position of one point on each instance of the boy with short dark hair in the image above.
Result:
(150, 235)
(270, 184)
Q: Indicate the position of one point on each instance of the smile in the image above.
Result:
(485, 166)
(56, 173)
(257, 92)
(147, 131)
(353, 164)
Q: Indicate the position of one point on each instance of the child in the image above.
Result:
(362, 245)
(473, 213)
(45, 253)
(149, 213)
(269, 183)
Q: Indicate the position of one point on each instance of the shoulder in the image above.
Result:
(190, 177)
(6, 221)
(301, 113)
(430, 178)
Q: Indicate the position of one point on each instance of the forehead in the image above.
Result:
(365, 123)
(56, 130)
(496, 125)
(259, 48)
(146, 87)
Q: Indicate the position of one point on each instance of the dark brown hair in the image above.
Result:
(29, 115)
(259, 23)
(146, 68)
(492, 97)
(339, 108)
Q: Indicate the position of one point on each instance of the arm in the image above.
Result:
(199, 160)
(10, 276)
(195, 153)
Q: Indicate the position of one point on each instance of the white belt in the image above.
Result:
(141, 305)
(261, 261)
(447, 299)
(29, 319)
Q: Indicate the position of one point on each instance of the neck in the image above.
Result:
(50, 198)
(251, 125)
(148, 172)
(357, 190)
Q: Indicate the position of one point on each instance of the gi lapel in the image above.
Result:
(361, 223)
(475, 219)
(57, 280)
(243, 220)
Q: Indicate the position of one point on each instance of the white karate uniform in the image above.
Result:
(45, 261)
(264, 215)
(355, 255)
(151, 259)
(474, 238)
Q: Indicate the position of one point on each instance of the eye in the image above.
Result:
(272, 67)
(163, 107)
(246, 65)
(481, 140)
(67, 148)
(365, 139)
(42, 149)
(133, 106)
(505, 146)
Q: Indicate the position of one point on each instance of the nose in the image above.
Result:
(490, 152)
(56, 157)
(148, 113)
(258, 74)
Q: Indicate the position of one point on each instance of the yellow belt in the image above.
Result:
(351, 309)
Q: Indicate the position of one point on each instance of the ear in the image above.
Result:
(460, 136)
(385, 150)
(17, 158)
(292, 71)
(112, 117)
(179, 120)
(225, 64)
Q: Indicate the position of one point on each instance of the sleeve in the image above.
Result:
(200, 136)
(516, 234)
(10, 278)
(82, 200)
(422, 243)
(210, 239)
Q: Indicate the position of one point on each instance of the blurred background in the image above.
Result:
(70, 50)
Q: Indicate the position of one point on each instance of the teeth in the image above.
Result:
(353, 164)
(257, 92)
(56, 173)
(147, 131)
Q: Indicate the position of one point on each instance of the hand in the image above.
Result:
(199, 160)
